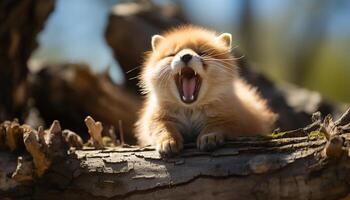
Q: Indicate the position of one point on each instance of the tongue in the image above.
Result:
(188, 87)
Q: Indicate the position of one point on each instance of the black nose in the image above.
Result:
(186, 58)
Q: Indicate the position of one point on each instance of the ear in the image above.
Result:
(226, 39)
(156, 39)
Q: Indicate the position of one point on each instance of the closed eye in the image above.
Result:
(170, 55)
(200, 53)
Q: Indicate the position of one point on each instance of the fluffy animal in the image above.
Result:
(193, 93)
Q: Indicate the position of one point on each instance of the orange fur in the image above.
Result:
(226, 106)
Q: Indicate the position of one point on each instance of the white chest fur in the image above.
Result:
(190, 123)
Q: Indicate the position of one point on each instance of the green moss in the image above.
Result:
(312, 134)
(316, 134)
(273, 135)
(107, 141)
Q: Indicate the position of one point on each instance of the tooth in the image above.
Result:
(192, 97)
(180, 72)
(195, 73)
(184, 98)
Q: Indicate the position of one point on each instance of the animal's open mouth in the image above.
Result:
(188, 83)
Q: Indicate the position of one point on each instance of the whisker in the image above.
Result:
(214, 55)
(133, 69)
(221, 65)
(242, 56)
(227, 63)
(166, 78)
(226, 51)
(164, 75)
(207, 58)
(208, 48)
(161, 76)
(218, 54)
(219, 60)
(209, 52)
(163, 81)
(135, 77)
(210, 58)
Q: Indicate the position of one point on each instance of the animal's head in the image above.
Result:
(189, 66)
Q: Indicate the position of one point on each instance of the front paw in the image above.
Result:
(169, 146)
(210, 141)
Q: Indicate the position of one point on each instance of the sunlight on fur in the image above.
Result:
(194, 93)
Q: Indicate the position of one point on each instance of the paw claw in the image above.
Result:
(169, 147)
(210, 141)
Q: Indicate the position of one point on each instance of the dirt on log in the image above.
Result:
(309, 163)
(20, 22)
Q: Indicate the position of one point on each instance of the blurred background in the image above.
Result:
(303, 42)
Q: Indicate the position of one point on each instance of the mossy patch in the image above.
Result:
(312, 134)
(316, 134)
(273, 135)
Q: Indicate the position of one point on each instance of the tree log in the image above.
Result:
(70, 92)
(20, 22)
(301, 164)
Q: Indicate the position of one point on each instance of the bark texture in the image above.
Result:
(20, 22)
(70, 92)
(299, 164)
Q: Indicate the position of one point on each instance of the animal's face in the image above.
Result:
(189, 66)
